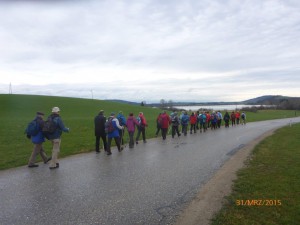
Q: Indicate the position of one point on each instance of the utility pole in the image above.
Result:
(10, 89)
(92, 94)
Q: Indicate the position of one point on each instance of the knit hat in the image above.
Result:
(40, 113)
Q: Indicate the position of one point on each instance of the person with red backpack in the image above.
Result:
(237, 117)
(193, 121)
(141, 128)
(165, 121)
(112, 127)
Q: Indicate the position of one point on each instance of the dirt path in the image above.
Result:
(211, 197)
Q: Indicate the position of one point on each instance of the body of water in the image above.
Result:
(214, 107)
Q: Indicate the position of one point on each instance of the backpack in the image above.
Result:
(32, 128)
(243, 116)
(175, 120)
(203, 118)
(185, 119)
(109, 127)
(49, 127)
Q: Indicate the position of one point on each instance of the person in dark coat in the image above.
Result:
(99, 123)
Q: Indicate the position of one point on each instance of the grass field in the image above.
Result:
(77, 114)
(272, 178)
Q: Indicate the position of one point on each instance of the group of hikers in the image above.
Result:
(197, 121)
(113, 127)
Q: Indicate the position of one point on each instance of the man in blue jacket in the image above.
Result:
(55, 137)
(38, 141)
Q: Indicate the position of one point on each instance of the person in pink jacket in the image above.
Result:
(130, 124)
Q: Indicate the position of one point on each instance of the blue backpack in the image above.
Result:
(32, 128)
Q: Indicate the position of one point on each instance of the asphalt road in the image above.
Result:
(149, 184)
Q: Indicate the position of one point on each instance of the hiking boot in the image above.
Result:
(108, 153)
(33, 165)
(145, 141)
(136, 142)
(48, 160)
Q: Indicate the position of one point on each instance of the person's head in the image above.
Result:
(112, 114)
(40, 114)
(130, 114)
(121, 113)
(55, 110)
(101, 112)
(141, 113)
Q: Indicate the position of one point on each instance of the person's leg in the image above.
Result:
(44, 155)
(131, 142)
(97, 149)
(55, 151)
(117, 140)
(144, 134)
(35, 151)
(103, 137)
(138, 135)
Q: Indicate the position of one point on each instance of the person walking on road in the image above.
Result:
(112, 127)
(193, 121)
(165, 122)
(243, 116)
(226, 119)
(202, 120)
(122, 122)
(130, 124)
(55, 137)
(141, 128)
(232, 117)
(220, 118)
(237, 117)
(99, 123)
(184, 123)
(158, 125)
(175, 124)
(38, 139)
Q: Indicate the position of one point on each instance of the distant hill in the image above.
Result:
(123, 101)
(269, 100)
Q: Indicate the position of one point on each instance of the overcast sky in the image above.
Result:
(147, 50)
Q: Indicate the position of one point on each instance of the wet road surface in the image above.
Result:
(149, 184)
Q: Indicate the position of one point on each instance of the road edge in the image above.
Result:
(210, 198)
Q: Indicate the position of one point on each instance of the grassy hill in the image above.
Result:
(77, 114)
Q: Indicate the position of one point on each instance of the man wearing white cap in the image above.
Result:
(55, 137)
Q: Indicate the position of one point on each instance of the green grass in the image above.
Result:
(77, 114)
(272, 173)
